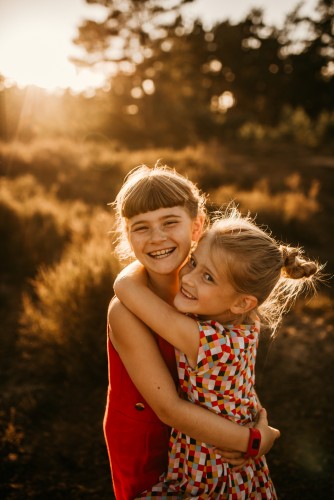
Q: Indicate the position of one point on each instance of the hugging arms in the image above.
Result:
(141, 356)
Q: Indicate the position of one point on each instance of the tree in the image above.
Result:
(176, 85)
(125, 36)
(310, 83)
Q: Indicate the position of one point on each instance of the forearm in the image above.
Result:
(204, 425)
(147, 369)
(131, 288)
(196, 421)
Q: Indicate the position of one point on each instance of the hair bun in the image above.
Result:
(294, 266)
(289, 256)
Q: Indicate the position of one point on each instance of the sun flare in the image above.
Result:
(37, 53)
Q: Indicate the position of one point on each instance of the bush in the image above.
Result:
(292, 213)
(64, 320)
(295, 126)
(34, 228)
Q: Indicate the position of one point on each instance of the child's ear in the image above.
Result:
(243, 304)
(197, 227)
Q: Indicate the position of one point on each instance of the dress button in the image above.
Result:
(140, 406)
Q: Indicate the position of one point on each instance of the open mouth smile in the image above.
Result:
(161, 254)
(187, 294)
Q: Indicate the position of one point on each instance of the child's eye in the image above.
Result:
(170, 222)
(139, 229)
(191, 263)
(208, 277)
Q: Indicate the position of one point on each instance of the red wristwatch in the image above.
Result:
(254, 442)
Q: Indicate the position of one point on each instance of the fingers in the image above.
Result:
(236, 464)
(263, 417)
(263, 422)
(276, 432)
(228, 454)
(235, 459)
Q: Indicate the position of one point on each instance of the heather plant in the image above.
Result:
(72, 170)
(293, 211)
(35, 227)
(54, 223)
(64, 319)
(294, 126)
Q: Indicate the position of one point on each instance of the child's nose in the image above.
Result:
(157, 234)
(187, 276)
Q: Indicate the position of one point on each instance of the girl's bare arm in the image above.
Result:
(132, 290)
(142, 359)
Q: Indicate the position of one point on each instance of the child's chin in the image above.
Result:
(180, 306)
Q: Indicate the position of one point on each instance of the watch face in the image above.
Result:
(256, 444)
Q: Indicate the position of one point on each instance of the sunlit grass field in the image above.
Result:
(57, 270)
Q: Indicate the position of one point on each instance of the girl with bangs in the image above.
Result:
(160, 217)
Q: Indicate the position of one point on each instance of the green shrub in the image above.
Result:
(294, 126)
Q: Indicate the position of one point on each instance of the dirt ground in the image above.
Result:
(295, 384)
(51, 437)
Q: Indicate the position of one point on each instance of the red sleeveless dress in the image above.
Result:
(137, 441)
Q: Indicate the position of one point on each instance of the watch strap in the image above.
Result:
(254, 442)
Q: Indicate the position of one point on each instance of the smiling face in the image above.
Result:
(161, 239)
(206, 291)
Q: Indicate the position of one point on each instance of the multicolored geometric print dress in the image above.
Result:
(223, 381)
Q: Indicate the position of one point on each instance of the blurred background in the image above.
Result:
(239, 96)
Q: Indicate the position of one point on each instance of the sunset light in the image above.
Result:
(36, 38)
(35, 48)
(37, 60)
(123, 125)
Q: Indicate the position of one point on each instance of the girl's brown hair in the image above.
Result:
(146, 189)
(258, 265)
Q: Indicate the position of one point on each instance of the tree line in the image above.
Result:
(173, 83)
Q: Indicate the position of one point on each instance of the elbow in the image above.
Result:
(121, 284)
(165, 415)
(116, 286)
(115, 319)
(167, 412)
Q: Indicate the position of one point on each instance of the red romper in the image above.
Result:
(137, 441)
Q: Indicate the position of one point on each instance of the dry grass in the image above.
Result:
(58, 269)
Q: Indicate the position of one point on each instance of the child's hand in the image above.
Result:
(268, 434)
(235, 458)
(268, 437)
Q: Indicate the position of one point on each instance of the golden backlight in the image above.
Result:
(35, 46)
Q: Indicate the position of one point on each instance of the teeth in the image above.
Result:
(161, 253)
(187, 294)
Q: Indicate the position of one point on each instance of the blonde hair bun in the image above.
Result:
(294, 265)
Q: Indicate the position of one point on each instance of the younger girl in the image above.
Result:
(236, 272)
(160, 213)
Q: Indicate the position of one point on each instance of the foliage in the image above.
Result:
(172, 84)
(292, 208)
(90, 171)
(125, 34)
(63, 244)
(214, 81)
(295, 125)
(33, 227)
(57, 281)
(67, 312)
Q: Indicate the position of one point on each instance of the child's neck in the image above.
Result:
(164, 285)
